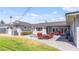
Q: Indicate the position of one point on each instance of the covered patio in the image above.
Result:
(57, 41)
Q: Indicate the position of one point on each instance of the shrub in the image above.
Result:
(26, 33)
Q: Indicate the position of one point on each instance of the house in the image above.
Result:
(15, 28)
(20, 26)
(70, 25)
(51, 27)
(3, 28)
(72, 19)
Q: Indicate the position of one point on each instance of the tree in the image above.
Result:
(2, 22)
(11, 17)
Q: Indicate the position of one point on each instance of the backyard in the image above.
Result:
(22, 44)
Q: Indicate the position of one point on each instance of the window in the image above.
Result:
(65, 30)
(53, 30)
(2, 30)
(25, 27)
(56, 29)
(39, 29)
(61, 29)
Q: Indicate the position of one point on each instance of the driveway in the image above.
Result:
(61, 44)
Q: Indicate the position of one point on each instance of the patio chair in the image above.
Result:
(56, 33)
(40, 35)
(61, 33)
(46, 36)
(50, 34)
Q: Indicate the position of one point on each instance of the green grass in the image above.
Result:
(22, 44)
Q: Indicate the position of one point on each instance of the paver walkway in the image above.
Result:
(65, 46)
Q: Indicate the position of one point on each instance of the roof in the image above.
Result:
(4, 24)
(70, 17)
(60, 23)
(72, 12)
(17, 22)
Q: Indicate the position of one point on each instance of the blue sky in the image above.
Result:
(35, 14)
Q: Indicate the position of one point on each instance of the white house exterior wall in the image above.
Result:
(77, 31)
(9, 31)
(19, 31)
(73, 32)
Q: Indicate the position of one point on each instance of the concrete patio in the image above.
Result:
(61, 43)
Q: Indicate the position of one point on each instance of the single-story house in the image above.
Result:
(15, 28)
(51, 27)
(72, 19)
(71, 24)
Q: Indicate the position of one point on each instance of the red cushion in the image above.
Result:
(51, 34)
(40, 35)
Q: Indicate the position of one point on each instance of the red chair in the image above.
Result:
(46, 36)
(56, 33)
(61, 33)
(50, 34)
(40, 35)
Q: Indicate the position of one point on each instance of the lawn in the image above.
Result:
(22, 44)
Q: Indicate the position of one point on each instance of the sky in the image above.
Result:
(35, 14)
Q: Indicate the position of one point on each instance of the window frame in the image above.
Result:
(38, 28)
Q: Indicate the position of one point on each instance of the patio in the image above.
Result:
(58, 42)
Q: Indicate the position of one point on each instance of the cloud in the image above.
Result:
(39, 18)
(71, 9)
(32, 14)
(56, 19)
(55, 12)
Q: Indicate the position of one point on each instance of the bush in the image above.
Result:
(26, 33)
